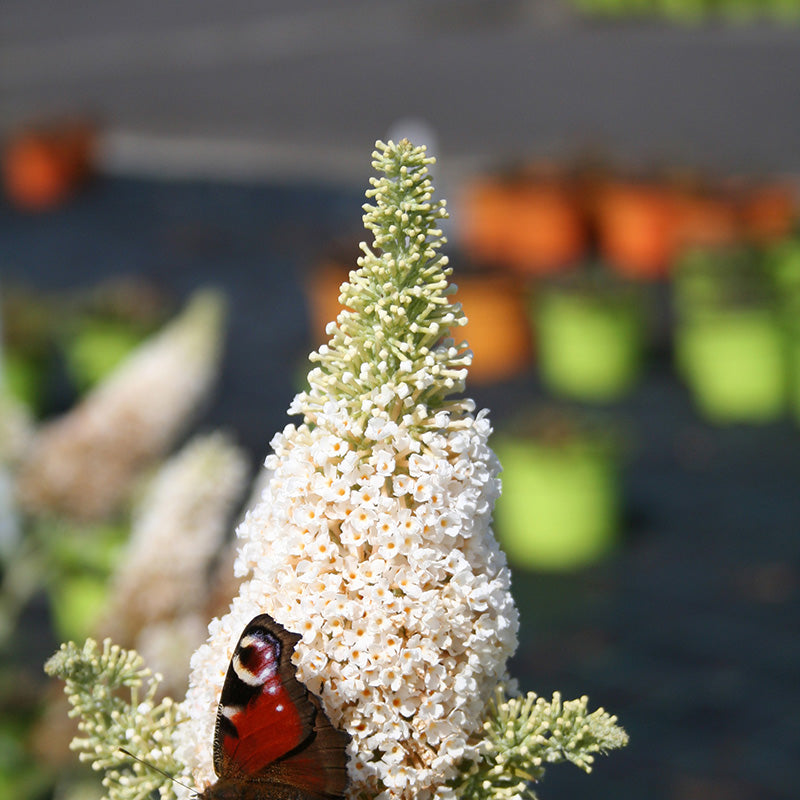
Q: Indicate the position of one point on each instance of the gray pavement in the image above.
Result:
(254, 88)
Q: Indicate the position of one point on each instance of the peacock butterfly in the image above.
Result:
(272, 739)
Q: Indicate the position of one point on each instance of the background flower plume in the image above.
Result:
(82, 464)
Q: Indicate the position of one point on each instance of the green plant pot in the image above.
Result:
(97, 348)
(560, 505)
(734, 364)
(24, 378)
(77, 603)
(793, 370)
(590, 348)
(81, 559)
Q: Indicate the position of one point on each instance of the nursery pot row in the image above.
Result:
(589, 333)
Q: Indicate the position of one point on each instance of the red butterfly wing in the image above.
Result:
(320, 768)
(270, 728)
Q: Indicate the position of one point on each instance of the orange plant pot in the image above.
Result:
(769, 212)
(545, 228)
(705, 218)
(637, 228)
(498, 329)
(322, 296)
(42, 168)
(487, 205)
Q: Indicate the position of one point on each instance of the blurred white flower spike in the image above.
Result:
(82, 464)
(373, 538)
(160, 590)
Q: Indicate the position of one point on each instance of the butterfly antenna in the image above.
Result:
(156, 769)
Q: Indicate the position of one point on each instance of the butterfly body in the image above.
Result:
(272, 739)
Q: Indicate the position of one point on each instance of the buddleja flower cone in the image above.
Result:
(373, 538)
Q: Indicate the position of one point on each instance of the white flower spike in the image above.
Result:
(373, 538)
